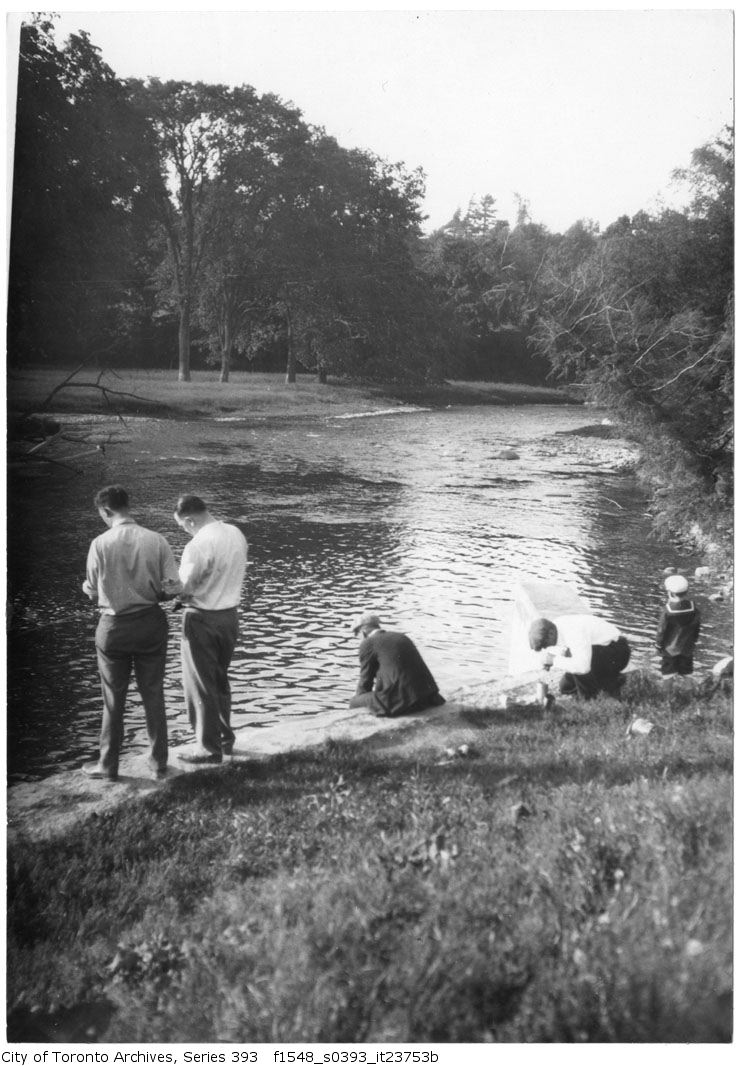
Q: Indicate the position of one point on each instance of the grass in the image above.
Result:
(560, 881)
(160, 394)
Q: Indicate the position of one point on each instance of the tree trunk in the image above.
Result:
(184, 343)
(290, 367)
(225, 365)
(320, 367)
(226, 350)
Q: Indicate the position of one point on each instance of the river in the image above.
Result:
(411, 513)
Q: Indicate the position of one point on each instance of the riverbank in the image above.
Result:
(158, 393)
(483, 874)
(49, 808)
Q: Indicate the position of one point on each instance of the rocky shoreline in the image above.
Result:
(46, 809)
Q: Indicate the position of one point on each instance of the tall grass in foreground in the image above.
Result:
(562, 882)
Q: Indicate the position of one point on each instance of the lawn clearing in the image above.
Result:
(512, 875)
(159, 394)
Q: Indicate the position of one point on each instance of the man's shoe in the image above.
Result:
(196, 758)
(159, 773)
(94, 769)
(227, 748)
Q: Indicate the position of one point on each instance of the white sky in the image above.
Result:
(584, 113)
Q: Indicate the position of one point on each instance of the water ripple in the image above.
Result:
(413, 517)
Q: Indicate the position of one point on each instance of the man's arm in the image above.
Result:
(194, 568)
(368, 667)
(660, 632)
(574, 650)
(171, 584)
(90, 584)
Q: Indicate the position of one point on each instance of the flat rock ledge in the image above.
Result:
(46, 809)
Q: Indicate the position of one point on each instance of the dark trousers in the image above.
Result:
(676, 664)
(365, 699)
(123, 643)
(607, 663)
(208, 642)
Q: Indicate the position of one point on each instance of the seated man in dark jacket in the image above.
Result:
(394, 679)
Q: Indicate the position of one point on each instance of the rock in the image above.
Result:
(464, 750)
(507, 453)
(519, 811)
(723, 668)
(639, 727)
(668, 570)
(702, 572)
(717, 597)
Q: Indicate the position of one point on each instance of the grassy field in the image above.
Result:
(554, 880)
(159, 393)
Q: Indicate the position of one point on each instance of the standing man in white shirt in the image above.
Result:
(212, 571)
(129, 570)
(591, 651)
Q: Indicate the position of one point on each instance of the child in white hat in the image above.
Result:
(678, 629)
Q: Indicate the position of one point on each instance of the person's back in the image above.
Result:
(129, 570)
(211, 571)
(128, 562)
(213, 566)
(678, 629)
(681, 627)
(394, 675)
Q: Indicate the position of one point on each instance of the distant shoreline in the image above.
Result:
(158, 393)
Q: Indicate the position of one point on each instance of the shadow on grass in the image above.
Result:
(84, 1022)
(298, 776)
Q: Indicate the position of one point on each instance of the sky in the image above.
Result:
(583, 113)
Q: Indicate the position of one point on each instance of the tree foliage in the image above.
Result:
(146, 210)
(485, 276)
(644, 323)
(144, 207)
(79, 194)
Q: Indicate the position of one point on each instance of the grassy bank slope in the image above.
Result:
(556, 881)
(159, 393)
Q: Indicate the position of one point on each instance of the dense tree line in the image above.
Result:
(641, 318)
(151, 216)
(155, 223)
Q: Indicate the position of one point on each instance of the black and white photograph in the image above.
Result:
(369, 534)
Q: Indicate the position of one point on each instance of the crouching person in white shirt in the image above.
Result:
(212, 570)
(591, 652)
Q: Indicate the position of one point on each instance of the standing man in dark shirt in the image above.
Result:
(129, 570)
(394, 679)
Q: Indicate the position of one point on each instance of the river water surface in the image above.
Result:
(410, 513)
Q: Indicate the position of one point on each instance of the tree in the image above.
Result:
(337, 261)
(486, 275)
(257, 184)
(219, 148)
(644, 322)
(79, 194)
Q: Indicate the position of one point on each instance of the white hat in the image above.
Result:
(676, 584)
